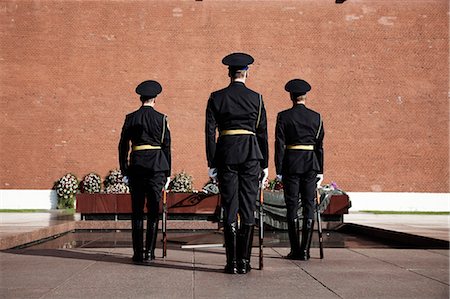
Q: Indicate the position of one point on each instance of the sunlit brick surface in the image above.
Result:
(379, 72)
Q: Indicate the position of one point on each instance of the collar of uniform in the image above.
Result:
(299, 106)
(146, 107)
(237, 82)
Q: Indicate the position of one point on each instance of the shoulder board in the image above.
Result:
(259, 111)
(164, 122)
(320, 126)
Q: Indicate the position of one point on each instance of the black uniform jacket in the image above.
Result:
(298, 126)
(236, 107)
(145, 126)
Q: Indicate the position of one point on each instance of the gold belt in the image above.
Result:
(145, 147)
(236, 132)
(301, 147)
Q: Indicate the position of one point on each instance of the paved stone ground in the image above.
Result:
(109, 273)
(352, 272)
(433, 226)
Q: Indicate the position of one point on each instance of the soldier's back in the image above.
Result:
(236, 107)
(146, 127)
(301, 124)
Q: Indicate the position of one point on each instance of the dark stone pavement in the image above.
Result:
(107, 272)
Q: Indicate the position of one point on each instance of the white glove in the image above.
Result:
(265, 176)
(166, 186)
(319, 180)
(125, 179)
(279, 177)
(212, 173)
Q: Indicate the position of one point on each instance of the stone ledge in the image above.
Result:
(126, 224)
(22, 238)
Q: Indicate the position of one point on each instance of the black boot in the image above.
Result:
(245, 243)
(230, 248)
(307, 230)
(137, 235)
(294, 239)
(150, 239)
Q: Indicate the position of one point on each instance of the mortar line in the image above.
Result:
(193, 274)
(329, 289)
(65, 281)
(438, 253)
(401, 267)
(309, 274)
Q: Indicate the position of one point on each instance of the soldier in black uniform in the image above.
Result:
(299, 163)
(239, 157)
(147, 167)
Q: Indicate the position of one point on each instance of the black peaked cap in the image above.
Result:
(297, 86)
(149, 88)
(236, 60)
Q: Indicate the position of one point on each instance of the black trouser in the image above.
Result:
(303, 185)
(238, 185)
(146, 186)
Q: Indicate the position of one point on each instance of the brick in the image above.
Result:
(378, 69)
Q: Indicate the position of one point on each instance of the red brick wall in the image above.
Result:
(379, 72)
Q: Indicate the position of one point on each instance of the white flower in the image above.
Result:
(66, 187)
(118, 188)
(91, 183)
(182, 182)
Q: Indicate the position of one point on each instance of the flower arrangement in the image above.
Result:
(275, 185)
(114, 177)
(114, 183)
(91, 183)
(66, 188)
(331, 188)
(334, 185)
(182, 182)
(119, 188)
(211, 187)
